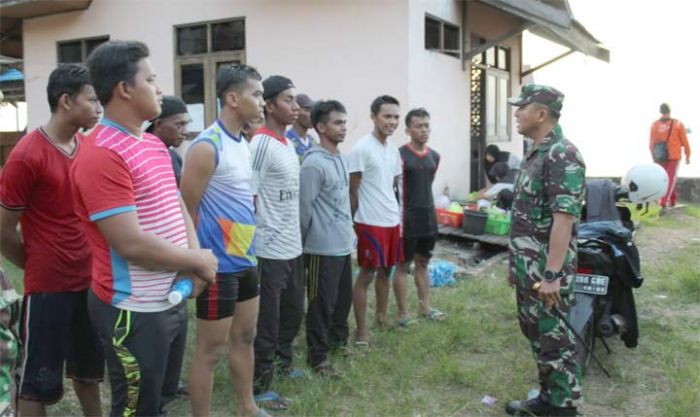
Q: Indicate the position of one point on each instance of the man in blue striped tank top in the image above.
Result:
(216, 187)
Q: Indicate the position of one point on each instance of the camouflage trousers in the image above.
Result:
(553, 347)
(8, 354)
(9, 343)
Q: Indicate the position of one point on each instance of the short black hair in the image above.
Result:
(66, 79)
(377, 103)
(234, 75)
(321, 111)
(492, 150)
(114, 62)
(419, 112)
(664, 108)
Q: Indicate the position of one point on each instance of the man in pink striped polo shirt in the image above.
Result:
(139, 231)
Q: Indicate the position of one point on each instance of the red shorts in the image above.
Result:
(378, 246)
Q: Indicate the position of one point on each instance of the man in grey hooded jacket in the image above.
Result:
(327, 236)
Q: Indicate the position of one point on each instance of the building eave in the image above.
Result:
(26, 9)
(556, 24)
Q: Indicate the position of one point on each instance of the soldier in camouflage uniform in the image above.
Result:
(547, 202)
(9, 343)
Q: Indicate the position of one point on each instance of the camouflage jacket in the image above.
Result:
(9, 343)
(551, 179)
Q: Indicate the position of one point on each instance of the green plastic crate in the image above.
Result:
(498, 225)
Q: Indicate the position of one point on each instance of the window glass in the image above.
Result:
(491, 57)
(201, 50)
(91, 44)
(432, 33)
(192, 91)
(192, 40)
(451, 37)
(503, 108)
(503, 58)
(228, 36)
(490, 106)
(70, 52)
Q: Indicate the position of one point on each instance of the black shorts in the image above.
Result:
(218, 300)
(56, 330)
(138, 347)
(422, 246)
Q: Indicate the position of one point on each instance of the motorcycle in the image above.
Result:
(608, 271)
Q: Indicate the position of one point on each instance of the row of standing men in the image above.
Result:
(106, 228)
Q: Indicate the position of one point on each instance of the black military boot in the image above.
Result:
(537, 407)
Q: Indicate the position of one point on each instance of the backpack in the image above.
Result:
(660, 150)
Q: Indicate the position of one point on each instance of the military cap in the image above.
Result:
(536, 93)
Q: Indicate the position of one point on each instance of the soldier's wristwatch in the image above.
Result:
(551, 276)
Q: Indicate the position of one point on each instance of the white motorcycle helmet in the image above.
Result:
(645, 183)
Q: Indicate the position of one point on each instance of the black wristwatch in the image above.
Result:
(551, 276)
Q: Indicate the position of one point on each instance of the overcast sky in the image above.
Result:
(609, 108)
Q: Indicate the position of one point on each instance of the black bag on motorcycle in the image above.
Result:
(596, 258)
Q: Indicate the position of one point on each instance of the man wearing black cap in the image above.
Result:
(278, 236)
(548, 195)
(171, 128)
(298, 133)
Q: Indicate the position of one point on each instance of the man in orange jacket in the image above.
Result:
(675, 140)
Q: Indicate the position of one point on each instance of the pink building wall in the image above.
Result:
(346, 50)
(350, 51)
(437, 82)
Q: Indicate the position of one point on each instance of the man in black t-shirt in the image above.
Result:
(420, 164)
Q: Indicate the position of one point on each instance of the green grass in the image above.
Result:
(684, 268)
(693, 211)
(444, 369)
(652, 218)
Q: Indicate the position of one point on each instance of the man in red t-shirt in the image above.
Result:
(52, 249)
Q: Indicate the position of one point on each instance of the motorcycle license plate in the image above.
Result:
(591, 284)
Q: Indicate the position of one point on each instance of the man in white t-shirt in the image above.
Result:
(278, 237)
(375, 165)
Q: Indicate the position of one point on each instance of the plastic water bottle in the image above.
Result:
(180, 291)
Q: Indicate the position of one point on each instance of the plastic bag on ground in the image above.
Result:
(441, 273)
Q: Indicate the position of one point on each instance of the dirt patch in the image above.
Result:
(657, 243)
